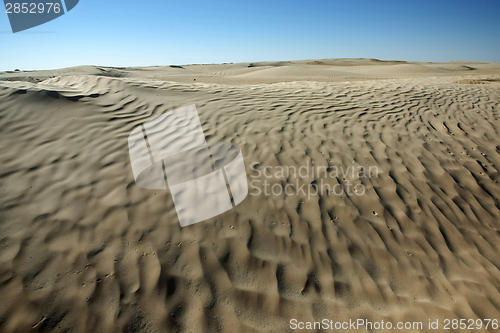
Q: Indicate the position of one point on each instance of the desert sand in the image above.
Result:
(84, 249)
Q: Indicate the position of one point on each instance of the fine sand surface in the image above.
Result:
(84, 249)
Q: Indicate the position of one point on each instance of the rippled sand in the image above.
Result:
(84, 249)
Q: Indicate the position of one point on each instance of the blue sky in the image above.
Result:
(163, 32)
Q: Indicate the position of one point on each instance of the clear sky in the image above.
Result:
(163, 32)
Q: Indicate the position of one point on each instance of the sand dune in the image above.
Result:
(84, 249)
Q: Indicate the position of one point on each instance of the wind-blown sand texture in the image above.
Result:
(84, 249)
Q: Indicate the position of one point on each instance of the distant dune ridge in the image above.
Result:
(84, 249)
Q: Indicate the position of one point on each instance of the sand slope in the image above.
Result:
(84, 249)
